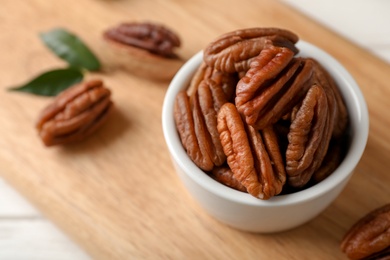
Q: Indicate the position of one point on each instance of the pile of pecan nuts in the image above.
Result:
(260, 119)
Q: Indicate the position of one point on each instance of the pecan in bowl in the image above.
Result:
(296, 109)
(145, 49)
(75, 113)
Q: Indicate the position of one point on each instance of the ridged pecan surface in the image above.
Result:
(369, 238)
(233, 52)
(152, 37)
(75, 113)
(305, 136)
(253, 156)
(196, 121)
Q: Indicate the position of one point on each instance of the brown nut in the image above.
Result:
(369, 238)
(145, 49)
(253, 156)
(233, 52)
(273, 85)
(75, 113)
(151, 37)
(305, 136)
(196, 122)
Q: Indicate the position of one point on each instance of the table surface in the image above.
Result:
(25, 233)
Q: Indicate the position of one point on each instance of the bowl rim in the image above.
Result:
(359, 122)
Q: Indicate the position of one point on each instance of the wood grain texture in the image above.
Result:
(117, 194)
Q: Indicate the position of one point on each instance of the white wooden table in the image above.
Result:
(26, 234)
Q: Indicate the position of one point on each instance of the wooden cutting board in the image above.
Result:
(117, 194)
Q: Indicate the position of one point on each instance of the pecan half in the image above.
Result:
(75, 113)
(185, 124)
(211, 98)
(273, 85)
(196, 121)
(152, 37)
(305, 136)
(254, 157)
(369, 238)
(233, 52)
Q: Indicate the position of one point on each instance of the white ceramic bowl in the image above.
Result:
(241, 210)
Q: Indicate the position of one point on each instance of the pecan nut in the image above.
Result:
(369, 238)
(233, 52)
(273, 85)
(305, 136)
(147, 50)
(196, 121)
(185, 124)
(75, 113)
(152, 37)
(253, 156)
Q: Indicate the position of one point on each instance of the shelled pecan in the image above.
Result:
(185, 124)
(75, 113)
(234, 51)
(152, 37)
(273, 85)
(145, 49)
(211, 98)
(254, 157)
(196, 120)
(369, 238)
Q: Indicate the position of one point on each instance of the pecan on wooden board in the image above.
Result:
(75, 113)
(273, 85)
(369, 238)
(144, 49)
(152, 37)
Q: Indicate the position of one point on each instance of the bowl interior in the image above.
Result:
(357, 110)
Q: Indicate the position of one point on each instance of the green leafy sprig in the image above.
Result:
(71, 49)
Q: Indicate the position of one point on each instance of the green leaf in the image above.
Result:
(70, 48)
(51, 82)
